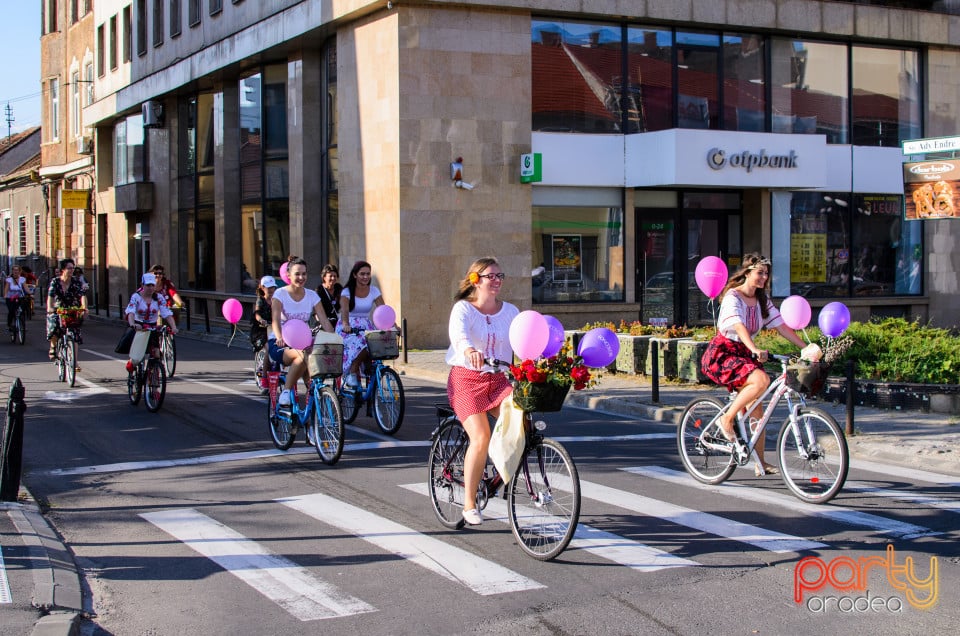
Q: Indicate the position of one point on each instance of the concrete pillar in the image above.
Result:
(305, 143)
(226, 140)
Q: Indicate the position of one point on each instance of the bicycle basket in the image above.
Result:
(326, 360)
(807, 377)
(540, 397)
(70, 317)
(383, 345)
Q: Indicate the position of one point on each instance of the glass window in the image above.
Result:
(128, 156)
(216, 6)
(332, 165)
(88, 76)
(886, 250)
(157, 22)
(251, 173)
(809, 88)
(127, 35)
(101, 51)
(649, 99)
(577, 76)
(275, 109)
(579, 254)
(886, 96)
(820, 244)
(55, 109)
(75, 103)
(193, 12)
(744, 82)
(175, 18)
(698, 66)
(113, 42)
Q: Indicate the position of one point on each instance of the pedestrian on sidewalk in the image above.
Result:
(479, 328)
(732, 358)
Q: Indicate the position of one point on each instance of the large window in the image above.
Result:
(157, 22)
(744, 82)
(196, 189)
(698, 62)
(810, 88)
(54, 109)
(886, 96)
(128, 150)
(175, 18)
(578, 252)
(649, 98)
(577, 77)
(843, 245)
(141, 19)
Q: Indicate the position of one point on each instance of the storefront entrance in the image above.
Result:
(670, 243)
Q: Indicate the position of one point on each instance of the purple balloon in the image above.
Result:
(795, 311)
(834, 319)
(711, 275)
(555, 339)
(599, 347)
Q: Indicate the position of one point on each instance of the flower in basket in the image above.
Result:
(541, 384)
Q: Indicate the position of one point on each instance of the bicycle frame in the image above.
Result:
(298, 417)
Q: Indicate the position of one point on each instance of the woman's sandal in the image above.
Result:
(766, 469)
(731, 435)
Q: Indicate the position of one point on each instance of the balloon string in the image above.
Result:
(804, 330)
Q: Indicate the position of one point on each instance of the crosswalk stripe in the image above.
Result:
(928, 500)
(282, 581)
(639, 437)
(706, 522)
(607, 545)
(5, 595)
(742, 491)
(908, 473)
(480, 575)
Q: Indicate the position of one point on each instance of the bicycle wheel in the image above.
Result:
(446, 473)
(134, 387)
(350, 401)
(169, 348)
(388, 401)
(155, 385)
(20, 328)
(260, 370)
(70, 360)
(281, 430)
(60, 357)
(328, 432)
(703, 449)
(544, 500)
(813, 456)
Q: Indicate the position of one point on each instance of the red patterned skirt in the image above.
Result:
(728, 362)
(472, 392)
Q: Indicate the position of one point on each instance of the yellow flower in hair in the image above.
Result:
(474, 278)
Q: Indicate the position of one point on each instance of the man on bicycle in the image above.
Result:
(64, 292)
(144, 310)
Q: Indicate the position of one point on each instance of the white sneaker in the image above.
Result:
(352, 381)
(472, 517)
(284, 399)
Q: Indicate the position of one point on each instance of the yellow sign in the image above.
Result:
(75, 199)
(808, 258)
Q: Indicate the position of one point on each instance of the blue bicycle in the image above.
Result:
(320, 417)
(380, 387)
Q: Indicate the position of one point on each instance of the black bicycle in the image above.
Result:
(18, 326)
(65, 353)
(543, 497)
(149, 380)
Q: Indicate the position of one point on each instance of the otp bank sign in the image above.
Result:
(814, 580)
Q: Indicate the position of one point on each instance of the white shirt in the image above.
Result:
(296, 310)
(15, 286)
(488, 334)
(734, 309)
(362, 306)
(145, 310)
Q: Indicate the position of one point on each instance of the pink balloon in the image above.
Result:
(384, 317)
(296, 334)
(529, 333)
(232, 310)
(555, 339)
(598, 347)
(795, 311)
(283, 274)
(711, 275)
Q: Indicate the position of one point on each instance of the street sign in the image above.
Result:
(531, 167)
(933, 144)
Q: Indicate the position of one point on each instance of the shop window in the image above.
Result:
(578, 254)
(886, 96)
(887, 251)
(809, 88)
(577, 77)
(649, 99)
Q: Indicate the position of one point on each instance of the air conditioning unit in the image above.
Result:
(152, 114)
(85, 145)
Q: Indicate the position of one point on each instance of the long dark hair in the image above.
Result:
(352, 281)
(750, 262)
(468, 288)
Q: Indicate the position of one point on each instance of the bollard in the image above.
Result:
(11, 444)
(404, 339)
(655, 370)
(851, 391)
(206, 315)
(186, 307)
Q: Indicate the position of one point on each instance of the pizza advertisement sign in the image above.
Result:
(567, 257)
(931, 189)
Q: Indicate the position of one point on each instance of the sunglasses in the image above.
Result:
(499, 276)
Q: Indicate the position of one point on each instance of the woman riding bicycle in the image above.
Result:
(479, 328)
(732, 359)
(357, 302)
(13, 293)
(146, 306)
(293, 302)
(64, 291)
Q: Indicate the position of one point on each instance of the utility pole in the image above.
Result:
(9, 116)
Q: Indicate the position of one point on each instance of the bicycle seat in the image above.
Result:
(444, 410)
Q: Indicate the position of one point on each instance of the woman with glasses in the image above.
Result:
(733, 359)
(479, 328)
(64, 291)
(168, 291)
(357, 302)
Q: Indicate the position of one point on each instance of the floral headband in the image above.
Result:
(762, 261)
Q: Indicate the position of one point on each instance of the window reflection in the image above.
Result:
(697, 80)
(886, 96)
(809, 88)
(649, 99)
(744, 82)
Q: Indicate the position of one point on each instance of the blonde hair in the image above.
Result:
(468, 285)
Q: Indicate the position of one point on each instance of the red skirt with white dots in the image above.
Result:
(472, 392)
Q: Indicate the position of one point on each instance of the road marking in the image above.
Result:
(750, 493)
(222, 389)
(907, 473)
(642, 437)
(706, 522)
(282, 581)
(916, 497)
(70, 396)
(480, 575)
(5, 595)
(609, 546)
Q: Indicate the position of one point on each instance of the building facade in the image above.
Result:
(668, 130)
(23, 209)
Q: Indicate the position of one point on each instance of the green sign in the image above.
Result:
(531, 168)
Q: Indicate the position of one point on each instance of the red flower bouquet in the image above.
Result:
(542, 384)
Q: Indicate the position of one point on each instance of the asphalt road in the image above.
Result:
(188, 521)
